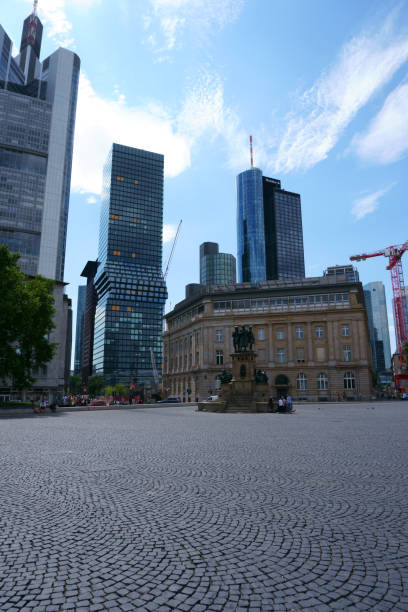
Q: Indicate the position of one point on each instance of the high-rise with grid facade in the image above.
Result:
(37, 118)
(129, 282)
(269, 229)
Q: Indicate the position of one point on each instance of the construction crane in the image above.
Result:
(172, 250)
(152, 357)
(400, 293)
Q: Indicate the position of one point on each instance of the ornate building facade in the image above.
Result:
(311, 338)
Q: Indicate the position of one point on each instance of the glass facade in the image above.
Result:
(250, 226)
(37, 119)
(219, 269)
(24, 132)
(79, 333)
(129, 282)
(283, 232)
(376, 306)
(269, 226)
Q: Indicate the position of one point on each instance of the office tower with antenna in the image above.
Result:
(37, 121)
(269, 228)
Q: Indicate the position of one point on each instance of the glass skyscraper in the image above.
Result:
(250, 226)
(79, 333)
(376, 306)
(37, 118)
(269, 229)
(216, 268)
(129, 282)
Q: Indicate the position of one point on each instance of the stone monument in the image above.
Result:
(246, 388)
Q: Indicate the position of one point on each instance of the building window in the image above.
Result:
(300, 354)
(129, 309)
(301, 382)
(120, 178)
(219, 357)
(133, 255)
(116, 253)
(136, 182)
(322, 382)
(115, 307)
(347, 352)
(349, 380)
(280, 355)
(280, 334)
(218, 335)
(320, 353)
(134, 219)
(319, 332)
(261, 333)
(299, 332)
(114, 216)
(345, 330)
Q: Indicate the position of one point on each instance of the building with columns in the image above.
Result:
(311, 338)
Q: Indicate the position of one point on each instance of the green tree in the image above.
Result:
(26, 320)
(75, 384)
(96, 385)
(121, 389)
(109, 391)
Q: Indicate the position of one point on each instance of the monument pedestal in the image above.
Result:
(243, 393)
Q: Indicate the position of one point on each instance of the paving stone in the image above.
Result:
(170, 509)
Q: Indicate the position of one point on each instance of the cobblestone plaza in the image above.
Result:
(171, 509)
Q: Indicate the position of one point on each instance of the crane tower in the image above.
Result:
(394, 254)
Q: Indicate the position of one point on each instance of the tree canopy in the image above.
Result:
(96, 385)
(75, 384)
(26, 320)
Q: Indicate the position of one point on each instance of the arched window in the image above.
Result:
(349, 380)
(322, 381)
(301, 382)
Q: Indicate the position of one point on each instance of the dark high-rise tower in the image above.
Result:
(269, 229)
(79, 333)
(129, 282)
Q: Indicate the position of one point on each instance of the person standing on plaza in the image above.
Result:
(289, 403)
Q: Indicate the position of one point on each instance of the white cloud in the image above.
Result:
(368, 203)
(175, 16)
(54, 16)
(101, 121)
(169, 231)
(365, 64)
(91, 200)
(386, 139)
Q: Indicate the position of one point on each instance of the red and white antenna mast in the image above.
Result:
(35, 6)
(251, 151)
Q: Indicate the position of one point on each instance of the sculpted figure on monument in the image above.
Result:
(251, 339)
(243, 339)
(261, 377)
(235, 338)
(225, 377)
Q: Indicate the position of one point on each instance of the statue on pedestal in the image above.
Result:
(243, 339)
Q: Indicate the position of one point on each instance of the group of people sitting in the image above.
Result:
(284, 404)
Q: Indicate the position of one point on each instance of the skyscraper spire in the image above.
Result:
(251, 151)
(35, 6)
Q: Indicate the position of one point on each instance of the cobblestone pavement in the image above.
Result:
(172, 509)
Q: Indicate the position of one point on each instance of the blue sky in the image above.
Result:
(322, 87)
